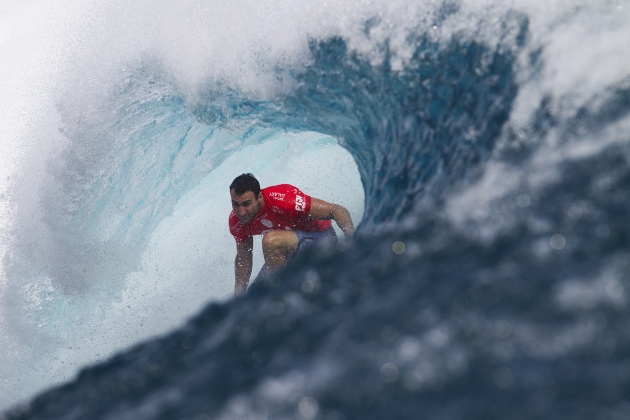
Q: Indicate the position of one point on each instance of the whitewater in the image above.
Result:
(481, 147)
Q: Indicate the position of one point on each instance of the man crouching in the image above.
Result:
(288, 219)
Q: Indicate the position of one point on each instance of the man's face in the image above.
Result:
(246, 206)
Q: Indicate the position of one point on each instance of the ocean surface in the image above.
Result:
(482, 148)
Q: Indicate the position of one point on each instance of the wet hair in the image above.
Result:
(244, 183)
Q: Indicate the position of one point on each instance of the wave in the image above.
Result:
(487, 277)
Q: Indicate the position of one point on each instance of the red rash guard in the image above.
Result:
(285, 207)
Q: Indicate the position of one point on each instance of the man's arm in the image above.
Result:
(322, 210)
(243, 265)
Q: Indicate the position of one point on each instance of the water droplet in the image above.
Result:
(523, 200)
(602, 230)
(389, 373)
(398, 247)
(557, 241)
(438, 338)
(422, 374)
(575, 212)
(502, 329)
(258, 357)
(504, 352)
(187, 343)
(614, 289)
(307, 286)
(409, 349)
(604, 184)
(307, 409)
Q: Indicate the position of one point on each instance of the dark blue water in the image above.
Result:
(520, 312)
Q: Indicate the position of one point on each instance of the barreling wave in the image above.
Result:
(487, 278)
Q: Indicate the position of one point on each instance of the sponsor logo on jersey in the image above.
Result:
(300, 203)
(267, 223)
(277, 196)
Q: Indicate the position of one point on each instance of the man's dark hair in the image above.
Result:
(244, 183)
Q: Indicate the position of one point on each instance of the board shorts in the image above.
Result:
(305, 240)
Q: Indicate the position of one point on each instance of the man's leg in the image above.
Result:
(276, 245)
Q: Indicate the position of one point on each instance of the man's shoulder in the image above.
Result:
(287, 199)
(282, 192)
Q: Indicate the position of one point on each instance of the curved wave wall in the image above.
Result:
(487, 277)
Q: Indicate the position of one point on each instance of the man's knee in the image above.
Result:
(278, 239)
(271, 240)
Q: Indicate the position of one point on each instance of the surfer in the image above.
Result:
(288, 219)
